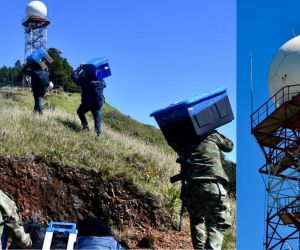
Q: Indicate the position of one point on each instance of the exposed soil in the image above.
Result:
(47, 191)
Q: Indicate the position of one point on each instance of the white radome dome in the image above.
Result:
(36, 8)
(285, 69)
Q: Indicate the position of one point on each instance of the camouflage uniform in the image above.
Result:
(10, 218)
(209, 214)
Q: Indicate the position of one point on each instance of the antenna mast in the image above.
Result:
(251, 80)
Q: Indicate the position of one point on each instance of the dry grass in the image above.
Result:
(230, 236)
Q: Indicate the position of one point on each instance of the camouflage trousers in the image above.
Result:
(209, 214)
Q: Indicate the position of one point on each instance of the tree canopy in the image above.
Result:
(10, 75)
(60, 71)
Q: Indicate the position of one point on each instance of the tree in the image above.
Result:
(60, 71)
(18, 64)
(10, 75)
(4, 75)
(15, 72)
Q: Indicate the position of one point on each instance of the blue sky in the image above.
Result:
(263, 26)
(159, 51)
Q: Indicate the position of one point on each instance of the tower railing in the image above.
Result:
(283, 95)
(39, 22)
(289, 204)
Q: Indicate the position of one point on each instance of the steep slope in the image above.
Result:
(48, 191)
(50, 152)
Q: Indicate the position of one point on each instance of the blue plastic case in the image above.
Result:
(39, 56)
(100, 67)
(62, 227)
(183, 122)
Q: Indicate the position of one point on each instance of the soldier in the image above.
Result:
(91, 96)
(209, 214)
(10, 224)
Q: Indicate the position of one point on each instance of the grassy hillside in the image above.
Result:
(126, 147)
(23, 133)
(111, 116)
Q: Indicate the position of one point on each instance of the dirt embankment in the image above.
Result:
(49, 191)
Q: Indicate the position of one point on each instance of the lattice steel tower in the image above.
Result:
(35, 25)
(276, 127)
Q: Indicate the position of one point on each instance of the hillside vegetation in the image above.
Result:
(55, 136)
(125, 148)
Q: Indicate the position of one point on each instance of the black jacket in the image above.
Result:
(91, 88)
(39, 81)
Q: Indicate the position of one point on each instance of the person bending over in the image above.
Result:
(39, 83)
(95, 234)
(91, 96)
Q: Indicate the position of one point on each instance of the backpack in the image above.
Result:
(96, 88)
(42, 78)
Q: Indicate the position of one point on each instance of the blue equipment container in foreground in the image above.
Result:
(62, 227)
(183, 122)
(61, 231)
(99, 66)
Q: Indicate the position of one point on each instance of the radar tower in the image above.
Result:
(276, 127)
(35, 26)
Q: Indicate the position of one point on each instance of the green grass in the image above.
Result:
(69, 102)
(125, 148)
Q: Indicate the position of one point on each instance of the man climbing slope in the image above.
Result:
(39, 83)
(91, 96)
